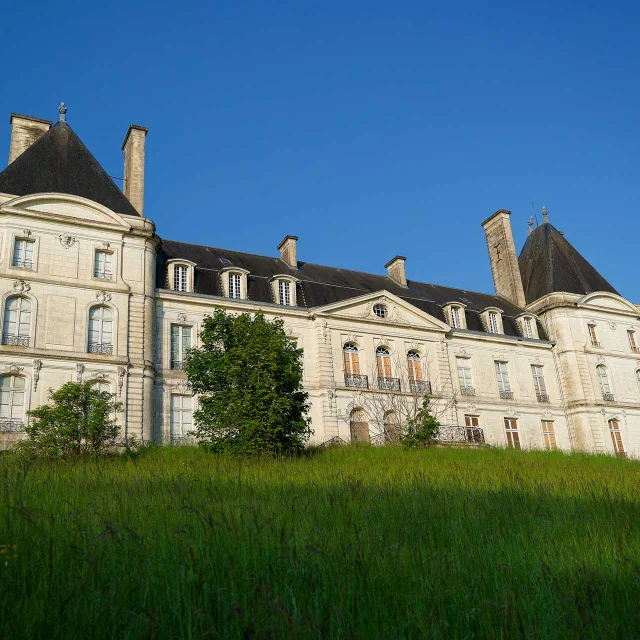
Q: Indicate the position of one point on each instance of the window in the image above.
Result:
(380, 310)
(181, 417)
(16, 329)
(616, 437)
(539, 383)
(464, 377)
(504, 386)
(351, 359)
(527, 323)
(180, 343)
(455, 317)
(549, 435)
(603, 379)
(472, 429)
(23, 253)
(234, 285)
(593, 336)
(180, 277)
(511, 429)
(414, 365)
(12, 390)
(102, 267)
(632, 341)
(359, 427)
(383, 362)
(392, 431)
(100, 330)
(284, 292)
(101, 386)
(493, 322)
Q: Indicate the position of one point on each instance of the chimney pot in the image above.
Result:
(287, 250)
(133, 147)
(25, 130)
(396, 270)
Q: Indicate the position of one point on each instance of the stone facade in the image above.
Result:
(80, 301)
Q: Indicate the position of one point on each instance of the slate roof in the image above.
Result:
(549, 263)
(59, 162)
(321, 285)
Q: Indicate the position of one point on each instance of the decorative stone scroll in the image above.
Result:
(103, 296)
(20, 286)
(67, 240)
(37, 365)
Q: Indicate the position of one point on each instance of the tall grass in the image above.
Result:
(348, 542)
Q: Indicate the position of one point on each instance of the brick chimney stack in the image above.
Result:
(287, 250)
(133, 147)
(396, 271)
(25, 130)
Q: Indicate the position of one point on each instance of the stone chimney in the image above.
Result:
(25, 130)
(133, 147)
(502, 255)
(287, 250)
(396, 271)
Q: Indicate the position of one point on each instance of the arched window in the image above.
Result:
(415, 366)
(101, 386)
(100, 330)
(12, 390)
(383, 361)
(391, 427)
(351, 359)
(359, 427)
(616, 437)
(603, 379)
(16, 329)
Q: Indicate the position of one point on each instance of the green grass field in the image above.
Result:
(346, 543)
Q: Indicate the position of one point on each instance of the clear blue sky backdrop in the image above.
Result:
(368, 129)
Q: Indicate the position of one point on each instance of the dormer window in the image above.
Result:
(180, 275)
(528, 326)
(284, 291)
(180, 278)
(493, 320)
(234, 283)
(454, 314)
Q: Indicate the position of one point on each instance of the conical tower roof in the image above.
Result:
(549, 263)
(59, 162)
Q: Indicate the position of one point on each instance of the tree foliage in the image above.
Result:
(248, 375)
(80, 421)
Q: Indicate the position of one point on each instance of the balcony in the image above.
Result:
(471, 435)
(103, 275)
(356, 381)
(25, 264)
(608, 397)
(11, 426)
(177, 365)
(467, 391)
(16, 341)
(542, 397)
(506, 395)
(389, 384)
(102, 349)
(420, 386)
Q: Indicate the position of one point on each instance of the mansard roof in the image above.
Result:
(319, 285)
(549, 263)
(59, 162)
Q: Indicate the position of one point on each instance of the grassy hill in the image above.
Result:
(349, 542)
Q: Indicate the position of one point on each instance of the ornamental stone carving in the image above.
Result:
(182, 317)
(122, 372)
(26, 233)
(13, 368)
(67, 240)
(103, 296)
(37, 365)
(79, 372)
(612, 326)
(182, 386)
(20, 286)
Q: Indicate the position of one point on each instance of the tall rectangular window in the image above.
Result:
(181, 417)
(616, 437)
(593, 336)
(493, 322)
(539, 383)
(632, 341)
(472, 429)
(180, 344)
(180, 278)
(528, 327)
(549, 435)
(455, 317)
(23, 253)
(511, 430)
(284, 291)
(234, 286)
(502, 374)
(465, 378)
(102, 265)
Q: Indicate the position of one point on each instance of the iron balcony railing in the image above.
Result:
(11, 426)
(356, 380)
(389, 384)
(183, 440)
(467, 391)
(104, 275)
(102, 349)
(177, 364)
(542, 397)
(26, 264)
(474, 435)
(16, 341)
(420, 386)
(506, 395)
(608, 397)
(595, 343)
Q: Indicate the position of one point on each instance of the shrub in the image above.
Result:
(421, 430)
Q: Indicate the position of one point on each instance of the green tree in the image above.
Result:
(80, 420)
(421, 429)
(248, 375)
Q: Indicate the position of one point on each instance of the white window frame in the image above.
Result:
(603, 380)
(31, 244)
(225, 276)
(12, 391)
(171, 275)
(528, 326)
(23, 310)
(465, 374)
(102, 349)
(548, 434)
(539, 383)
(493, 320)
(183, 329)
(512, 433)
(275, 286)
(452, 309)
(180, 411)
(96, 268)
(502, 376)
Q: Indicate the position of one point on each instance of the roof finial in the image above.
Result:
(545, 214)
(530, 226)
(62, 110)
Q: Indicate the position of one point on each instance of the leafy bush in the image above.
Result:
(80, 421)
(248, 375)
(421, 430)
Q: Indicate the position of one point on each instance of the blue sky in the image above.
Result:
(368, 129)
